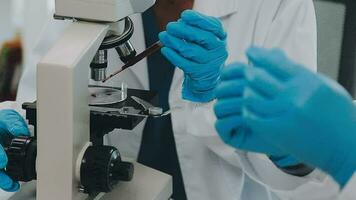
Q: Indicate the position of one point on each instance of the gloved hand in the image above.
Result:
(302, 113)
(11, 124)
(197, 45)
(230, 124)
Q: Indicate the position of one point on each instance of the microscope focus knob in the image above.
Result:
(22, 154)
(125, 171)
(102, 169)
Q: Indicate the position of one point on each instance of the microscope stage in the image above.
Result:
(111, 115)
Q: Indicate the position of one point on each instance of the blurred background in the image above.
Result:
(21, 27)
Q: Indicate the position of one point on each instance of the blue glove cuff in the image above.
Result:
(341, 165)
(346, 172)
(284, 161)
(196, 95)
(203, 97)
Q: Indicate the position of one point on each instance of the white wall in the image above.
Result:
(6, 25)
(26, 16)
(36, 14)
(331, 18)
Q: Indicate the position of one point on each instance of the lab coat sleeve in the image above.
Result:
(14, 106)
(293, 29)
(204, 129)
(349, 192)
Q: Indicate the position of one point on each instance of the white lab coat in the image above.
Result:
(212, 170)
(349, 192)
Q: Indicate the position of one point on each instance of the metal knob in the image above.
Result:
(22, 154)
(102, 169)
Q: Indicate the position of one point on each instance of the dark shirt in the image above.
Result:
(158, 149)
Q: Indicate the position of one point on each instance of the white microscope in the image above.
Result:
(72, 163)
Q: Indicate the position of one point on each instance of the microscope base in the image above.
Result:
(147, 184)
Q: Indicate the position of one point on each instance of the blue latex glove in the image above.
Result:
(197, 45)
(230, 125)
(302, 113)
(10, 123)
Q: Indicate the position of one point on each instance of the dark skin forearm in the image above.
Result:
(169, 10)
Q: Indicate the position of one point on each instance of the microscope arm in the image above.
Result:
(63, 111)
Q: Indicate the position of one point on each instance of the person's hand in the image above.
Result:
(197, 45)
(11, 125)
(302, 113)
(230, 125)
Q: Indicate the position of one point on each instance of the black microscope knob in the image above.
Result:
(22, 154)
(102, 169)
(125, 171)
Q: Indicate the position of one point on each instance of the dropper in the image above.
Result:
(148, 52)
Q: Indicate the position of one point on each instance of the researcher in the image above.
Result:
(289, 108)
(197, 45)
